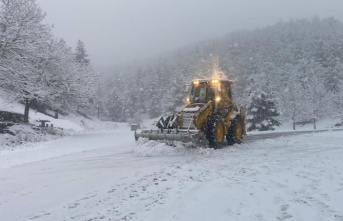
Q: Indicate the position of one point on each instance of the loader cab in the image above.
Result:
(203, 91)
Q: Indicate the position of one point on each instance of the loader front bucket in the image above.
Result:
(193, 136)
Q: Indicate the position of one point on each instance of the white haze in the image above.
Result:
(117, 31)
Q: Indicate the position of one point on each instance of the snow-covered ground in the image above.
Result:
(100, 173)
(321, 124)
(12, 106)
(105, 176)
(25, 134)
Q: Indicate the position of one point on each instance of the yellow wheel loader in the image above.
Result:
(210, 118)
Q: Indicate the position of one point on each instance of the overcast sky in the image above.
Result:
(117, 31)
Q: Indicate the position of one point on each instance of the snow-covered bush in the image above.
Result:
(262, 113)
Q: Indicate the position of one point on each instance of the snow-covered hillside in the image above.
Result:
(105, 176)
(67, 125)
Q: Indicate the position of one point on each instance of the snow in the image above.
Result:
(98, 172)
(7, 105)
(146, 148)
(11, 106)
(106, 176)
(322, 124)
(191, 109)
(64, 126)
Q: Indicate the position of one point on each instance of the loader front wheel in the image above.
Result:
(215, 131)
(236, 131)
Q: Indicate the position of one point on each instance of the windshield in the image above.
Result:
(201, 93)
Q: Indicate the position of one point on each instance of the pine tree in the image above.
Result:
(333, 78)
(84, 79)
(262, 113)
(114, 107)
(81, 55)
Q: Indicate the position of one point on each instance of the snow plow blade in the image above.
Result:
(182, 136)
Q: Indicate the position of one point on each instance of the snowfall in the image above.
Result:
(104, 174)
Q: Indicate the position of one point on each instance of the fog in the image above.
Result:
(116, 31)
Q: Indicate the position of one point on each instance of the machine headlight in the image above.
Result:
(215, 81)
(218, 99)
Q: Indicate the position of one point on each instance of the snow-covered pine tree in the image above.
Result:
(83, 85)
(262, 113)
(60, 73)
(81, 55)
(114, 107)
(333, 78)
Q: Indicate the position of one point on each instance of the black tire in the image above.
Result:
(235, 132)
(215, 131)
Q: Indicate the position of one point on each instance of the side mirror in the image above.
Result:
(187, 88)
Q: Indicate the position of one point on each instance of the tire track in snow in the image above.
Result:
(285, 176)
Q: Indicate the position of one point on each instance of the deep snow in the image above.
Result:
(30, 138)
(105, 176)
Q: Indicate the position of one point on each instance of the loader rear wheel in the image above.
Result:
(236, 131)
(215, 131)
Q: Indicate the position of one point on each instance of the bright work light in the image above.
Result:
(218, 99)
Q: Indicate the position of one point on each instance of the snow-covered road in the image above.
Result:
(104, 176)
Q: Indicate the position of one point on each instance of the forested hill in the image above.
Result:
(298, 65)
(293, 68)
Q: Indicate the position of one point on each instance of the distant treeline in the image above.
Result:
(298, 64)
